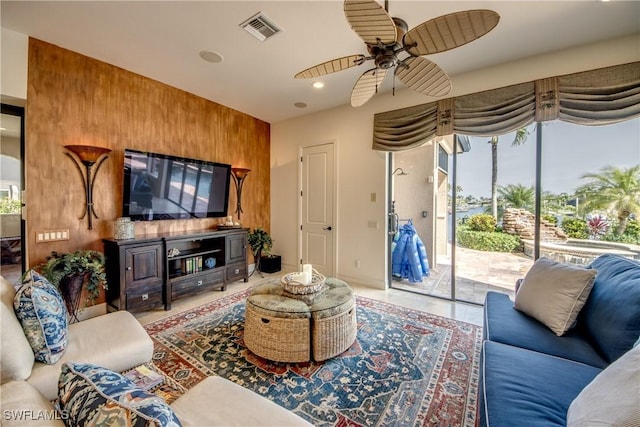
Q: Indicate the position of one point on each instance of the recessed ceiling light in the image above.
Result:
(300, 104)
(318, 85)
(213, 57)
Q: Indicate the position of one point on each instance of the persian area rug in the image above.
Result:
(406, 367)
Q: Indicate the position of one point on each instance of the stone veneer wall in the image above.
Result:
(521, 222)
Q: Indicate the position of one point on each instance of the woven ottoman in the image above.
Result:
(277, 328)
(333, 321)
(285, 327)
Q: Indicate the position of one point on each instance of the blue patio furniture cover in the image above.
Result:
(409, 256)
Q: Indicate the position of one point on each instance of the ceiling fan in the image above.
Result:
(386, 38)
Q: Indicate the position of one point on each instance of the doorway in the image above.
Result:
(11, 186)
(317, 204)
(419, 248)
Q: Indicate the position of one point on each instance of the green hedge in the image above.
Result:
(486, 241)
(482, 222)
(10, 206)
(575, 227)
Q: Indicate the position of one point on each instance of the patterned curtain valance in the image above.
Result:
(598, 97)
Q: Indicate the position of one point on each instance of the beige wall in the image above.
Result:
(14, 67)
(362, 171)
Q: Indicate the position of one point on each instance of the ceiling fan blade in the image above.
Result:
(367, 86)
(450, 31)
(332, 66)
(424, 76)
(370, 21)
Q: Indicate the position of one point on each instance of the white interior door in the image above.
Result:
(317, 226)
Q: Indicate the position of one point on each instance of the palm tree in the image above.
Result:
(517, 196)
(613, 189)
(520, 137)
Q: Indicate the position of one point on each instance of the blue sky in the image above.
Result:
(568, 152)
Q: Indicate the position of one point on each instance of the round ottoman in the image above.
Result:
(285, 327)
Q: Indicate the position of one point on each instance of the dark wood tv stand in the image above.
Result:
(150, 271)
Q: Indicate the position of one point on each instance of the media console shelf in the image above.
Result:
(145, 272)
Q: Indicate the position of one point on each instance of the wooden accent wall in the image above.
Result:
(74, 99)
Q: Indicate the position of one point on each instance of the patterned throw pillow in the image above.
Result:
(91, 395)
(41, 311)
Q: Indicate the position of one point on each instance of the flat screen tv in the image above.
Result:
(158, 186)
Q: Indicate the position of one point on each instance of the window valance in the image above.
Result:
(598, 97)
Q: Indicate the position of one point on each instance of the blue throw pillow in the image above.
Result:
(611, 315)
(41, 311)
(92, 395)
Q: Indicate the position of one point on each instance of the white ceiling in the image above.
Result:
(162, 40)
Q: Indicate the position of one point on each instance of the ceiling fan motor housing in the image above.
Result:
(386, 60)
(384, 54)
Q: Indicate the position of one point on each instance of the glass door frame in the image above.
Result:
(14, 110)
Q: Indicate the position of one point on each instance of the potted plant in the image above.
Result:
(261, 243)
(72, 272)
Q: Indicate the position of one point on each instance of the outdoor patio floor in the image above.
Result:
(477, 272)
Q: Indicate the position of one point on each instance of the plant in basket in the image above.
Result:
(74, 271)
(261, 244)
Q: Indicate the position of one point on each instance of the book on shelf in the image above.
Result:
(144, 377)
(192, 264)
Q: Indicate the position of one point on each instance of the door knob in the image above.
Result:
(327, 228)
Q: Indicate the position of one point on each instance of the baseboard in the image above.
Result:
(369, 283)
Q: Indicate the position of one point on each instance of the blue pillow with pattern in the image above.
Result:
(92, 395)
(42, 313)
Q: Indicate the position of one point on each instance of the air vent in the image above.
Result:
(260, 26)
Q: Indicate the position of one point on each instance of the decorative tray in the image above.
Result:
(227, 227)
(294, 287)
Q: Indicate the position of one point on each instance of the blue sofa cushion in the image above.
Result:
(504, 324)
(526, 388)
(611, 316)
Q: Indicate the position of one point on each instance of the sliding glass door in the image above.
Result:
(11, 186)
(487, 209)
(495, 179)
(590, 195)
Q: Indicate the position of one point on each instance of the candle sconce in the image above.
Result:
(239, 175)
(88, 156)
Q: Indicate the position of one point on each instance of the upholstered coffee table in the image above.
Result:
(285, 327)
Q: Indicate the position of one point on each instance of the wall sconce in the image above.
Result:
(88, 156)
(239, 175)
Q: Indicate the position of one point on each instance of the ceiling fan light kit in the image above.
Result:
(386, 38)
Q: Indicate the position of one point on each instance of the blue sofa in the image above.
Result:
(529, 376)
